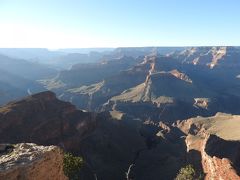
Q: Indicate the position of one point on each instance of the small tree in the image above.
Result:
(186, 173)
(72, 165)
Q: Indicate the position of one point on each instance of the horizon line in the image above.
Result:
(184, 46)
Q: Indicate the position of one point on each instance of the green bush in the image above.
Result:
(186, 173)
(72, 165)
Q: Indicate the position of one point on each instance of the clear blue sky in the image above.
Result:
(114, 23)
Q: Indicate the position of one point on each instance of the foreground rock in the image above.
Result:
(220, 158)
(213, 145)
(29, 161)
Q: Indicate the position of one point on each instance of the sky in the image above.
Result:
(57, 24)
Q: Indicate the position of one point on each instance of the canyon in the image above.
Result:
(132, 113)
(133, 145)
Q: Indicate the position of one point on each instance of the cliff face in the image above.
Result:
(220, 158)
(216, 157)
(216, 143)
(28, 161)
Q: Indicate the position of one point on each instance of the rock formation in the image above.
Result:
(219, 155)
(45, 120)
(220, 158)
(29, 161)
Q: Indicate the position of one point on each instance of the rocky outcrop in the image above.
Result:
(220, 158)
(215, 158)
(218, 54)
(215, 143)
(202, 102)
(29, 161)
(180, 75)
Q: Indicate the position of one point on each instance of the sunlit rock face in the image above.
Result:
(210, 56)
(29, 161)
(220, 158)
(216, 143)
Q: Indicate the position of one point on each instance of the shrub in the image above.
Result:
(186, 173)
(72, 165)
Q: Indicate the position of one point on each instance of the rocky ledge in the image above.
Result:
(220, 158)
(30, 161)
